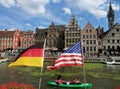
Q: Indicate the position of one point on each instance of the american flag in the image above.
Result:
(71, 57)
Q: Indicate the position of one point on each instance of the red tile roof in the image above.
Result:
(7, 33)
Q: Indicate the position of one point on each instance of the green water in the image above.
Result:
(100, 75)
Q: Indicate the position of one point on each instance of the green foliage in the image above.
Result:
(91, 66)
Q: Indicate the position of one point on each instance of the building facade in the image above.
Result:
(72, 33)
(111, 39)
(26, 39)
(9, 39)
(90, 41)
(55, 37)
(40, 35)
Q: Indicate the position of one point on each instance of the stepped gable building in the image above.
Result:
(40, 35)
(90, 41)
(55, 37)
(27, 38)
(72, 33)
(111, 39)
(9, 39)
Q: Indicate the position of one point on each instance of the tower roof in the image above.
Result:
(111, 11)
(110, 7)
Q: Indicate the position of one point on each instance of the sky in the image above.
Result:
(30, 14)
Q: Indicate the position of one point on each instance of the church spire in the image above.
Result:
(110, 16)
(110, 7)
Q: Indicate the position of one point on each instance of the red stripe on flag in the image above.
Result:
(70, 55)
(67, 59)
(62, 65)
(71, 60)
(33, 53)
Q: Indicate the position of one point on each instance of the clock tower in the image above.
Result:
(110, 16)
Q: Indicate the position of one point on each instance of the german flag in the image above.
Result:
(32, 56)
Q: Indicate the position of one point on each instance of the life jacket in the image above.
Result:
(59, 81)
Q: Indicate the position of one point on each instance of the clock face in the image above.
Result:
(110, 18)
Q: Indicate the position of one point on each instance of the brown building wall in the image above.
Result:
(90, 42)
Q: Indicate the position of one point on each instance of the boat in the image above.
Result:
(112, 61)
(73, 86)
(3, 60)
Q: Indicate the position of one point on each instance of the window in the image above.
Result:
(90, 36)
(117, 60)
(117, 30)
(108, 41)
(113, 47)
(83, 42)
(118, 48)
(94, 48)
(94, 41)
(87, 42)
(113, 41)
(90, 48)
(90, 30)
(84, 49)
(94, 36)
(108, 47)
(86, 30)
(90, 41)
(87, 48)
(113, 34)
(86, 36)
(117, 41)
(83, 36)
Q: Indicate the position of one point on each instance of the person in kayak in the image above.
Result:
(75, 80)
(59, 80)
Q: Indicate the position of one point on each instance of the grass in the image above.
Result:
(93, 69)
(91, 66)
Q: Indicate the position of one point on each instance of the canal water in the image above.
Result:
(106, 77)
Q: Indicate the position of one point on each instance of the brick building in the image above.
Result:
(55, 38)
(40, 35)
(90, 41)
(26, 38)
(9, 39)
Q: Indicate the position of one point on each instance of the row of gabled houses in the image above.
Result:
(95, 41)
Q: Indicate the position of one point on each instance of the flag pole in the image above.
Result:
(42, 66)
(83, 66)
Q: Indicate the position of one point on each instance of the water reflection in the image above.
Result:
(31, 75)
(113, 67)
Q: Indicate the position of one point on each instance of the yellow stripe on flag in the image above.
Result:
(28, 61)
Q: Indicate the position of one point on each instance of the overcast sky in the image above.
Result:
(29, 14)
